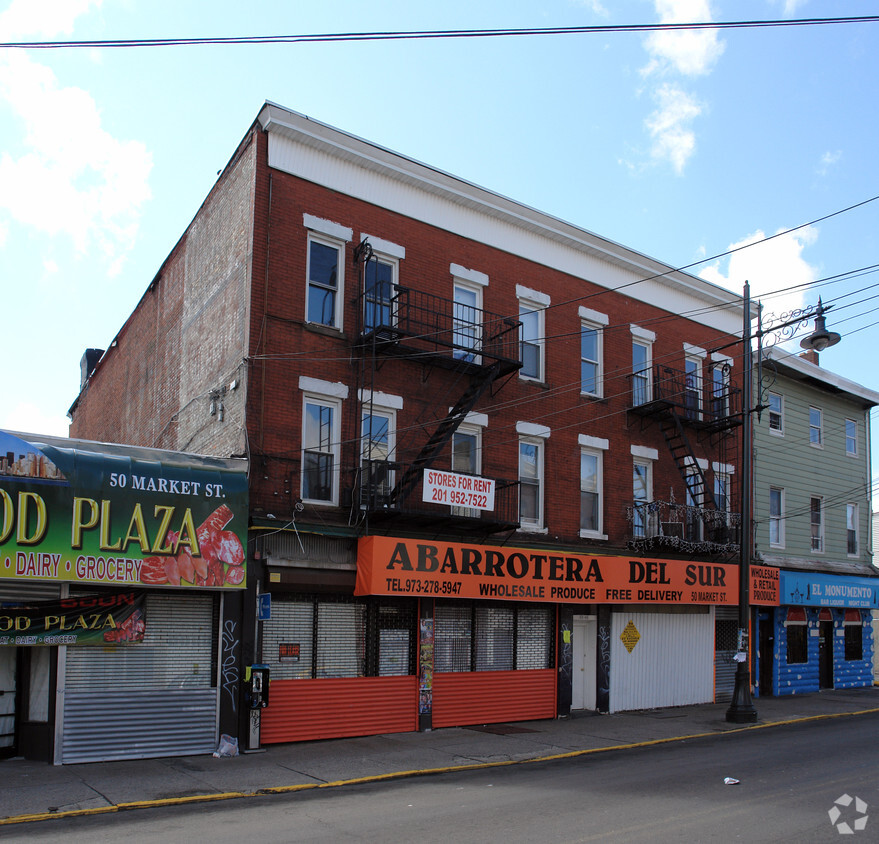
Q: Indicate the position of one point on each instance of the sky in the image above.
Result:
(680, 145)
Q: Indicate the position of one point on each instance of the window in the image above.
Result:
(816, 428)
(720, 390)
(590, 359)
(642, 483)
(851, 530)
(467, 322)
(530, 483)
(376, 453)
(854, 635)
(693, 483)
(776, 517)
(531, 340)
(590, 492)
(320, 451)
(693, 381)
(380, 282)
(776, 414)
(531, 468)
(642, 364)
(816, 519)
(797, 636)
(479, 637)
(325, 262)
(321, 438)
(851, 437)
(465, 459)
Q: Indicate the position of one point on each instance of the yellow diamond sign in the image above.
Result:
(630, 636)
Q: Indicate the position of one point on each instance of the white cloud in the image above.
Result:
(769, 266)
(28, 418)
(828, 160)
(42, 18)
(689, 52)
(66, 174)
(669, 126)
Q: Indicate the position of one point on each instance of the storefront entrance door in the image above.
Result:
(583, 691)
(825, 654)
(8, 663)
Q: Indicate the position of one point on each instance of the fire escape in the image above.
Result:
(689, 412)
(479, 349)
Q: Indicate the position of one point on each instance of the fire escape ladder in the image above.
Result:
(685, 459)
(437, 441)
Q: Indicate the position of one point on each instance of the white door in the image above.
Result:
(584, 667)
(7, 698)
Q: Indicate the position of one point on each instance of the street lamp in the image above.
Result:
(741, 710)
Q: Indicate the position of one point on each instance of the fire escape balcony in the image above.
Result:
(374, 491)
(402, 322)
(666, 526)
(664, 391)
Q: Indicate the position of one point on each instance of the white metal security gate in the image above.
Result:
(661, 659)
(155, 698)
(726, 631)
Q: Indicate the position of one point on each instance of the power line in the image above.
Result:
(436, 34)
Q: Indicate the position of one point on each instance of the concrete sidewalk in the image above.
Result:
(34, 791)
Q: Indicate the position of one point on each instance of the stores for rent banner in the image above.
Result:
(90, 513)
(394, 566)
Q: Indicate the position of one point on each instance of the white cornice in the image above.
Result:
(798, 366)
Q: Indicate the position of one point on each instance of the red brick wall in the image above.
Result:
(296, 350)
(187, 338)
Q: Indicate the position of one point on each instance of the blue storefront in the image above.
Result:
(819, 637)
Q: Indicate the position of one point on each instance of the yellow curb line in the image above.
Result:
(476, 766)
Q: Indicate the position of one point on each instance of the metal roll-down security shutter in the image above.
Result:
(158, 697)
(726, 632)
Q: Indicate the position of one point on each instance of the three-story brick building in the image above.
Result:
(493, 458)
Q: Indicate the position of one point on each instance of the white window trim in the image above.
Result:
(644, 452)
(535, 297)
(474, 419)
(853, 454)
(598, 327)
(336, 231)
(820, 427)
(723, 468)
(532, 429)
(823, 548)
(537, 302)
(380, 400)
(334, 401)
(691, 357)
(780, 517)
(472, 431)
(326, 389)
(384, 247)
(598, 452)
(472, 276)
(857, 554)
(339, 308)
(642, 333)
(586, 441)
(538, 440)
(694, 351)
(776, 432)
(588, 315)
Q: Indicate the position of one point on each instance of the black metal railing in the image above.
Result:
(696, 399)
(433, 325)
(667, 525)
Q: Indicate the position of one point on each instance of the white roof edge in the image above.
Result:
(274, 117)
(804, 367)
